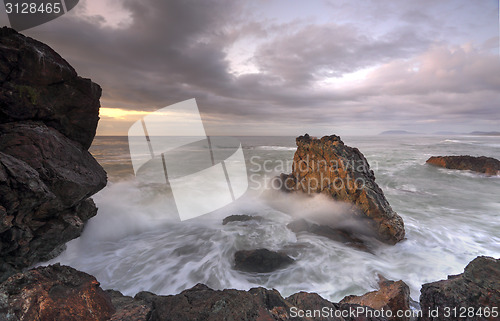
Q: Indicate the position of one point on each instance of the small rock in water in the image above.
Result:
(261, 260)
(241, 218)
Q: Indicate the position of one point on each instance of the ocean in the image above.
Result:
(136, 243)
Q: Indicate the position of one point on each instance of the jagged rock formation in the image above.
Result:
(48, 119)
(328, 166)
(483, 164)
(54, 293)
(476, 290)
(392, 296)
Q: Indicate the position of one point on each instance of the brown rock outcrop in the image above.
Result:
(476, 291)
(53, 293)
(483, 164)
(328, 166)
(48, 119)
(393, 296)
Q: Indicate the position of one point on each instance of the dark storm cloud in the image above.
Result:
(176, 50)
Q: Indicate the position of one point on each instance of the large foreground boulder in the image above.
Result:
(483, 164)
(48, 119)
(54, 293)
(473, 295)
(328, 166)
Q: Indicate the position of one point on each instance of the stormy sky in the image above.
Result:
(285, 67)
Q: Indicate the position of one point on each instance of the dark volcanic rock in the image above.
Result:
(393, 296)
(53, 293)
(241, 218)
(128, 308)
(336, 234)
(478, 287)
(201, 303)
(37, 84)
(328, 166)
(486, 165)
(48, 118)
(261, 260)
(71, 173)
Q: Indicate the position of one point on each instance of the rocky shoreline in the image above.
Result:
(62, 293)
(48, 119)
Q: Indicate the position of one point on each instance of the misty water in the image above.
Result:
(136, 243)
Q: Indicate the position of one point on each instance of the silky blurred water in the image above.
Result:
(136, 242)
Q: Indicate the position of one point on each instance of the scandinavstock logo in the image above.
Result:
(26, 14)
(170, 146)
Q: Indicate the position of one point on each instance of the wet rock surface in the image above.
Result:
(483, 164)
(54, 293)
(62, 293)
(392, 295)
(328, 166)
(38, 84)
(202, 303)
(241, 218)
(477, 289)
(48, 119)
(128, 308)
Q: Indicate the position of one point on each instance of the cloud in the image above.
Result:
(155, 53)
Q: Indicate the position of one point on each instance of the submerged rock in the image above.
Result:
(328, 166)
(483, 164)
(476, 290)
(54, 293)
(336, 234)
(260, 260)
(48, 119)
(392, 295)
(241, 218)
